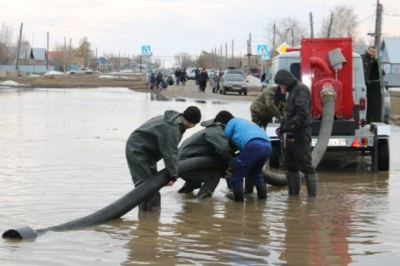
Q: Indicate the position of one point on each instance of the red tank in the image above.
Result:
(317, 74)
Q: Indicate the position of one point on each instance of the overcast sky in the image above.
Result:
(173, 26)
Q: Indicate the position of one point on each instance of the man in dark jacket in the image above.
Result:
(296, 125)
(158, 139)
(210, 141)
(270, 103)
(373, 83)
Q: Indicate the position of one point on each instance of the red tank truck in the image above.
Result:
(329, 64)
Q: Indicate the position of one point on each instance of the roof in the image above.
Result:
(39, 53)
(390, 50)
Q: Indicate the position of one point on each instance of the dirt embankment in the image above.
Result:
(136, 81)
(128, 80)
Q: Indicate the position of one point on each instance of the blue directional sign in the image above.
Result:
(262, 49)
(146, 50)
(266, 56)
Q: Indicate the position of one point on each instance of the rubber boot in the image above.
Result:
(156, 200)
(293, 181)
(238, 193)
(312, 184)
(203, 193)
(146, 205)
(261, 190)
(188, 187)
(248, 185)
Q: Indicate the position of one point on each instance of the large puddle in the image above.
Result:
(62, 156)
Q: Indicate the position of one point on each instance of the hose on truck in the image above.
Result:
(324, 135)
(123, 205)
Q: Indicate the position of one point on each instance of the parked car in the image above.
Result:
(234, 71)
(233, 83)
(82, 70)
(190, 73)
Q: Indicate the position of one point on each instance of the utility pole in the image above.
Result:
(378, 27)
(311, 25)
(216, 58)
(70, 52)
(220, 55)
(65, 51)
(330, 26)
(47, 57)
(233, 49)
(19, 48)
(273, 38)
(226, 54)
(97, 60)
(248, 53)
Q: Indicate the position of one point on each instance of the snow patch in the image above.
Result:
(106, 77)
(9, 83)
(54, 73)
(394, 89)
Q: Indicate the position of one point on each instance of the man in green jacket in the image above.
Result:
(270, 103)
(210, 141)
(158, 139)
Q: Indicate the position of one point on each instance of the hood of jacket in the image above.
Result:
(210, 123)
(286, 78)
(172, 117)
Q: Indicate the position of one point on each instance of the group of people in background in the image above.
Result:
(242, 146)
(180, 76)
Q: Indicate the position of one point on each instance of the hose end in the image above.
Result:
(20, 233)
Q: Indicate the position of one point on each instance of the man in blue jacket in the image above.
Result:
(255, 148)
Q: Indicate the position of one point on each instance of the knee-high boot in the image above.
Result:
(293, 181)
(312, 184)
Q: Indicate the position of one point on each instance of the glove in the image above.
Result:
(290, 135)
(278, 132)
(172, 178)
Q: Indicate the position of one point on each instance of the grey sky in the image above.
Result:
(173, 26)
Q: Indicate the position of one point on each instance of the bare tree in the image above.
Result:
(204, 60)
(57, 58)
(289, 30)
(84, 50)
(6, 41)
(344, 22)
(184, 60)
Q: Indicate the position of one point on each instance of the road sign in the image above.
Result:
(262, 49)
(266, 56)
(146, 50)
(282, 48)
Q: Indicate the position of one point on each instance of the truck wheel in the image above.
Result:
(245, 92)
(383, 155)
(224, 91)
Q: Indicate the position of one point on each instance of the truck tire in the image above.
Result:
(383, 155)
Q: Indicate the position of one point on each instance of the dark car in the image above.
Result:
(233, 83)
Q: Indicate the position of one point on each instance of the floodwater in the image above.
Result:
(62, 156)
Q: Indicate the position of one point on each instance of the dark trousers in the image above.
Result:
(298, 157)
(374, 102)
(250, 162)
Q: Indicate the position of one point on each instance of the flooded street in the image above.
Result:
(62, 156)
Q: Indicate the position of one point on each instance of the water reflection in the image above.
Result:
(62, 157)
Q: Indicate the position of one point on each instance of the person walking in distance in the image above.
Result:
(203, 80)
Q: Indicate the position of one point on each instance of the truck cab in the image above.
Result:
(348, 134)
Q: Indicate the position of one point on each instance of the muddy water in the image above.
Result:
(62, 157)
